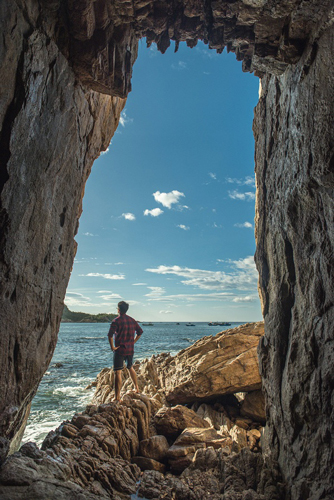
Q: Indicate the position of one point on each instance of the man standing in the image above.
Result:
(126, 332)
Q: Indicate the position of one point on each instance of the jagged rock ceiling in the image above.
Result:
(100, 38)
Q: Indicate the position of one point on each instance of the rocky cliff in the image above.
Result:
(295, 238)
(52, 129)
(65, 69)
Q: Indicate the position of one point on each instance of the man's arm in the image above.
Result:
(139, 332)
(111, 337)
(137, 337)
(111, 342)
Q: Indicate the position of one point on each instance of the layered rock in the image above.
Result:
(51, 131)
(213, 366)
(100, 452)
(295, 242)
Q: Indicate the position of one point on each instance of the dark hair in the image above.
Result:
(123, 307)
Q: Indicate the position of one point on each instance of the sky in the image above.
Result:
(168, 211)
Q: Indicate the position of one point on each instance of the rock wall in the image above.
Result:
(295, 241)
(52, 129)
(55, 56)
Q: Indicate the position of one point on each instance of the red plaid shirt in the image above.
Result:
(123, 328)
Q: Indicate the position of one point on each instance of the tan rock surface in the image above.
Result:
(253, 406)
(213, 366)
(155, 447)
(172, 421)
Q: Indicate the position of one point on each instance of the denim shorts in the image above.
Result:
(119, 361)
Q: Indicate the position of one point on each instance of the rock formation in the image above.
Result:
(70, 63)
(213, 366)
(295, 239)
(101, 452)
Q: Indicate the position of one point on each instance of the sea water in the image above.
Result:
(82, 352)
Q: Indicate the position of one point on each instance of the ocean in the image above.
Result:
(81, 353)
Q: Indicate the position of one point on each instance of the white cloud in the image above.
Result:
(139, 284)
(246, 181)
(88, 234)
(243, 276)
(111, 296)
(168, 199)
(76, 299)
(217, 226)
(165, 312)
(118, 263)
(247, 298)
(156, 291)
(182, 226)
(207, 53)
(235, 195)
(124, 119)
(129, 216)
(180, 65)
(213, 176)
(245, 224)
(106, 276)
(155, 212)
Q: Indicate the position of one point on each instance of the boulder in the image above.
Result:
(155, 447)
(210, 368)
(172, 421)
(148, 464)
(182, 452)
(217, 419)
(214, 366)
(253, 406)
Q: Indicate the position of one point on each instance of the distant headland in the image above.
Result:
(81, 317)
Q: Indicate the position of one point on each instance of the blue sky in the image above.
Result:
(168, 212)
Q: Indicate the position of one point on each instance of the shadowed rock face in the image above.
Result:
(64, 68)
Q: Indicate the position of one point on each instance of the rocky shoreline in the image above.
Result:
(186, 436)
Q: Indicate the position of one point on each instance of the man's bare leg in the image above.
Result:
(118, 384)
(133, 376)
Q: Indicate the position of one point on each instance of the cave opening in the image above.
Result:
(186, 129)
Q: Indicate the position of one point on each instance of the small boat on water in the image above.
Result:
(147, 324)
(224, 323)
(190, 324)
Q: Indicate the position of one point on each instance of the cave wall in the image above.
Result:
(65, 73)
(52, 129)
(293, 129)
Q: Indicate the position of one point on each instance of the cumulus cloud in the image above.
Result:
(182, 226)
(110, 296)
(246, 298)
(245, 224)
(213, 176)
(124, 119)
(236, 195)
(246, 181)
(165, 312)
(168, 199)
(155, 212)
(128, 216)
(156, 291)
(105, 276)
(243, 276)
(76, 299)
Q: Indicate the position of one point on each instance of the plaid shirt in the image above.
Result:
(123, 328)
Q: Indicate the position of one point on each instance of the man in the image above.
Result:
(126, 332)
